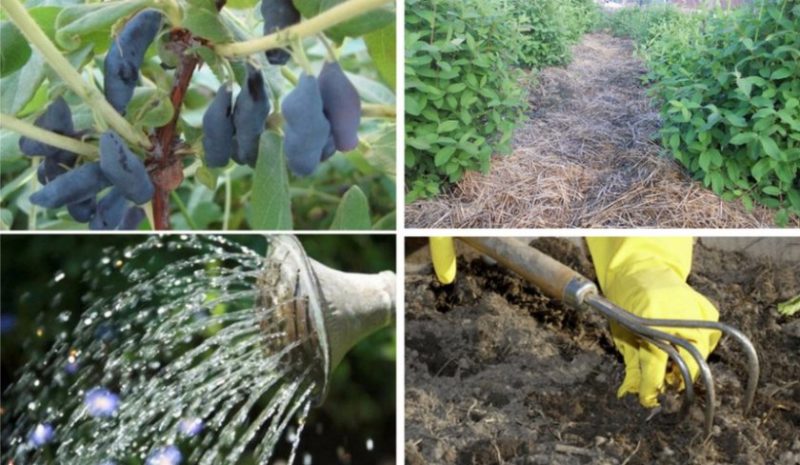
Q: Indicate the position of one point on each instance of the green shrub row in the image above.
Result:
(550, 27)
(464, 90)
(728, 84)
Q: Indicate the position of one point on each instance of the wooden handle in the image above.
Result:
(549, 275)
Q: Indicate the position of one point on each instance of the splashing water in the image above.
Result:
(190, 364)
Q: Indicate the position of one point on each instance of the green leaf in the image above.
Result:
(150, 108)
(747, 201)
(447, 126)
(356, 27)
(790, 307)
(761, 168)
(19, 88)
(443, 155)
(386, 222)
(353, 211)
(771, 190)
(742, 138)
(45, 17)
(206, 24)
(781, 73)
(241, 4)
(271, 201)
(381, 45)
(15, 51)
(771, 148)
(92, 22)
(206, 177)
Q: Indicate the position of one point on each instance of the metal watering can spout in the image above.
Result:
(326, 311)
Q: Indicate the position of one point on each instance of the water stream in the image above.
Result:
(189, 364)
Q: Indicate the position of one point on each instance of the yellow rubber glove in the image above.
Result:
(443, 256)
(647, 276)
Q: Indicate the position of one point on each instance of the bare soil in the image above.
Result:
(497, 373)
(586, 158)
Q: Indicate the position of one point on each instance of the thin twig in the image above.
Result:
(625, 462)
(329, 18)
(48, 137)
(58, 62)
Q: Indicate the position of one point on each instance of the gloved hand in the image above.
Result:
(443, 256)
(647, 276)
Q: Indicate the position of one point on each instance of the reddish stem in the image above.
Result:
(165, 137)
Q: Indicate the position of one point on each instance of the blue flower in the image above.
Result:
(169, 455)
(71, 367)
(41, 434)
(190, 426)
(101, 402)
(7, 322)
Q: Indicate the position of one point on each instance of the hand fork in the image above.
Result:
(561, 282)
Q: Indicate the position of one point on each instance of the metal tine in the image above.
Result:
(688, 397)
(753, 369)
(630, 321)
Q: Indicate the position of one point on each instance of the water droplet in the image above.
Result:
(59, 276)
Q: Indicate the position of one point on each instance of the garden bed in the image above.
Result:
(586, 158)
(498, 373)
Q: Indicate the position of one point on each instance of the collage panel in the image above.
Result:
(198, 349)
(198, 115)
(528, 114)
(548, 350)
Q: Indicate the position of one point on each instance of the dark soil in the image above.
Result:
(498, 373)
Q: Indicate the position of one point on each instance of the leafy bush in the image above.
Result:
(463, 97)
(159, 65)
(550, 27)
(640, 24)
(729, 88)
(545, 36)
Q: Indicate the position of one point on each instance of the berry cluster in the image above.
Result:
(321, 115)
(77, 188)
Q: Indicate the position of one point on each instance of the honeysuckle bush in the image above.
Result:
(465, 91)
(550, 28)
(728, 84)
(56, 49)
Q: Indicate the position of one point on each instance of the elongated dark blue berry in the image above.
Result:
(56, 118)
(341, 104)
(305, 129)
(83, 211)
(249, 115)
(124, 169)
(73, 186)
(110, 210)
(130, 221)
(218, 132)
(125, 56)
(55, 165)
(278, 14)
(329, 149)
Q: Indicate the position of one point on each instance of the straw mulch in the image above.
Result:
(586, 158)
